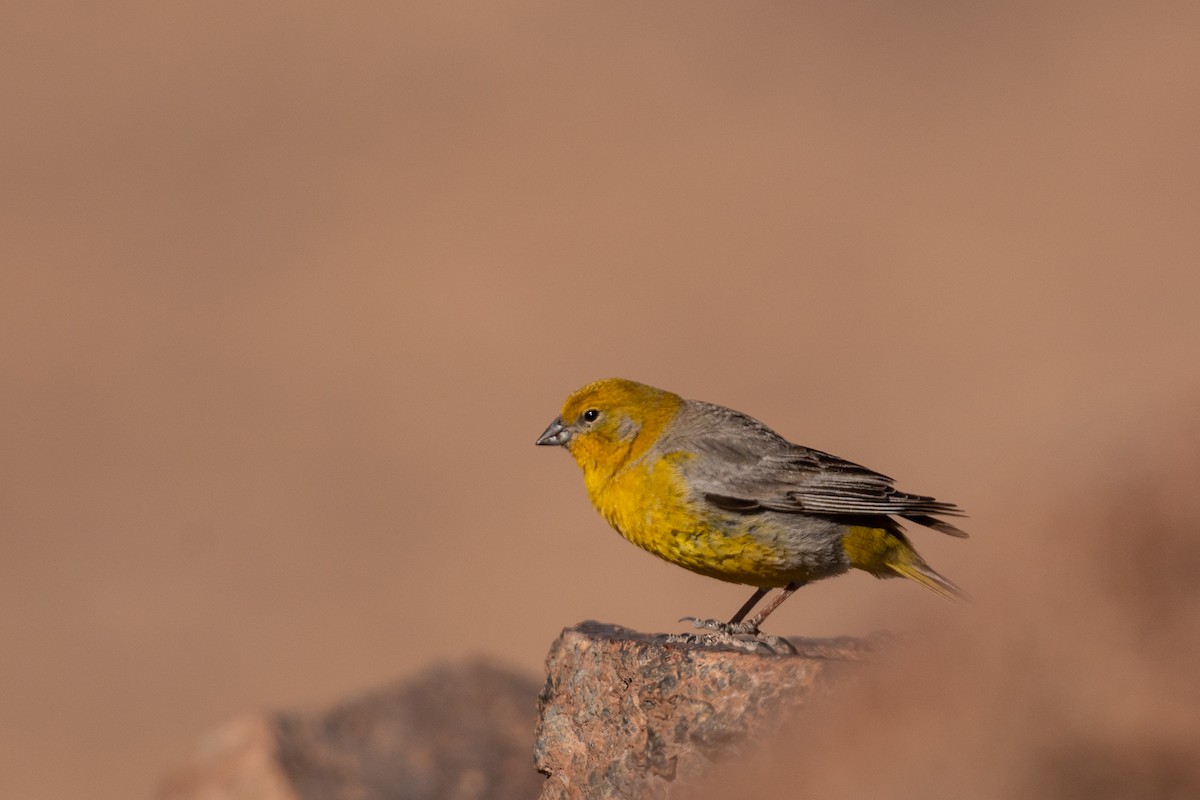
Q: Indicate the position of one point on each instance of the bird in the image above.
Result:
(717, 492)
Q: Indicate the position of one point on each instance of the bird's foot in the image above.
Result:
(742, 635)
(732, 628)
(719, 639)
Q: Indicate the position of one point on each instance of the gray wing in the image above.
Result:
(747, 467)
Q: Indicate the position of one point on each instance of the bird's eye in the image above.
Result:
(590, 415)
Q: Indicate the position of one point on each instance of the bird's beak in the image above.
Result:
(557, 433)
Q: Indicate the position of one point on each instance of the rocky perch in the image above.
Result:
(631, 715)
(622, 715)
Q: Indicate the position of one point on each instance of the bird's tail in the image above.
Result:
(916, 569)
(885, 552)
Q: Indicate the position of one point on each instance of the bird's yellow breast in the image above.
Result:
(648, 502)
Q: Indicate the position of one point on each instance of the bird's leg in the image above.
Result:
(758, 619)
(748, 605)
(736, 627)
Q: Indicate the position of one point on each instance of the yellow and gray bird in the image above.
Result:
(719, 493)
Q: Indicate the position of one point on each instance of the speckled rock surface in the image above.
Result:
(632, 715)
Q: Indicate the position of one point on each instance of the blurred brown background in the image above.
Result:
(287, 292)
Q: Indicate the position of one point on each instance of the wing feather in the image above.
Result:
(744, 466)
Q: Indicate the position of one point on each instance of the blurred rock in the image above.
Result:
(238, 761)
(629, 715)
(458, 732)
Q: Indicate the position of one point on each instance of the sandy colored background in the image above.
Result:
(287, 292)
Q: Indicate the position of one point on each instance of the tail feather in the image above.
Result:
(927, 576)
(941, 526)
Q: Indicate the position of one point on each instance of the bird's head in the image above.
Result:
(606, 423)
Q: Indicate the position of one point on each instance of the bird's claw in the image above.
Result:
(731, 628)
(742, 635)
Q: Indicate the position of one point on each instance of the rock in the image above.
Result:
(459, 732)
(631, 715)
(623, 715)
